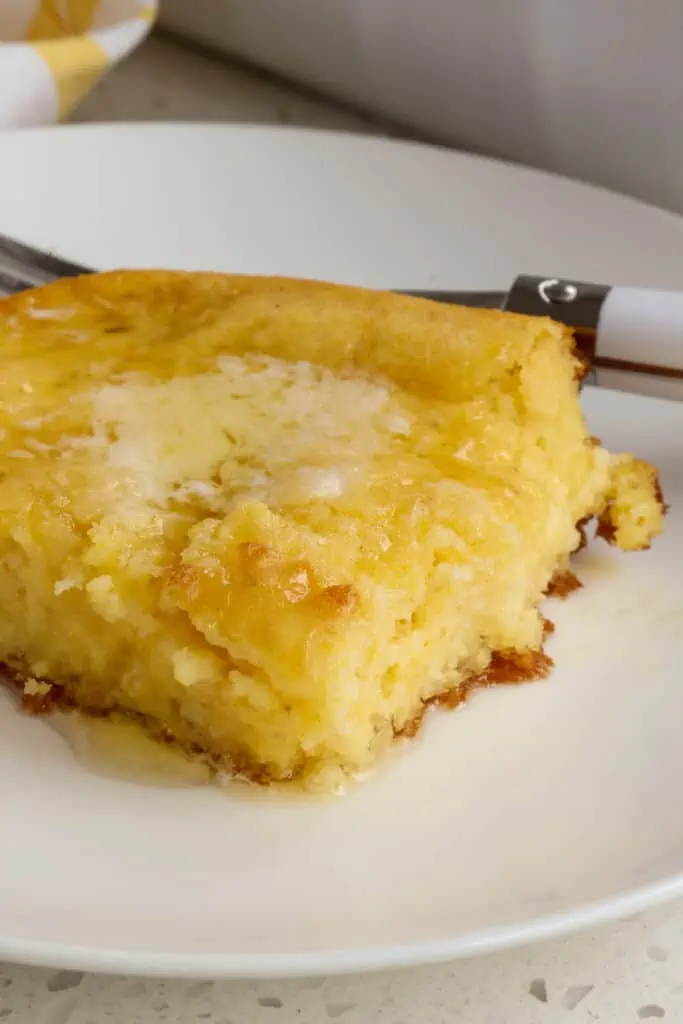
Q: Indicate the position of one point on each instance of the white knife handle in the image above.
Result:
(641, 326)
(625, 329)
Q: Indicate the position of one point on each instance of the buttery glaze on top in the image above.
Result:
(275, 518)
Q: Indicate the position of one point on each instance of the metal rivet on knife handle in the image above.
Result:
(575, 303)
(649, 322)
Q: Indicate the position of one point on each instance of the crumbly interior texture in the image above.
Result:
(273, 518)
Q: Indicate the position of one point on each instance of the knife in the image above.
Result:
(634, 329)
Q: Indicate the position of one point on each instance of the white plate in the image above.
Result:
(532, 811)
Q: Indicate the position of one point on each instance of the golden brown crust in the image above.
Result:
(510, 667)
(605, 528)
(563, 583)
(254, 558)
(415, 342)
(611, 527)
(505, 668)
(658, 492)
(57, 698)
(582, 527)
(583, 347)
(343, 598)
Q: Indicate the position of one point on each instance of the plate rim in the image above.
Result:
(343, 961)
(145, 127)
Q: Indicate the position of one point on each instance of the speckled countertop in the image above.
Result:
(630, 971)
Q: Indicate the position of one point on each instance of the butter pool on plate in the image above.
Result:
(272, 519)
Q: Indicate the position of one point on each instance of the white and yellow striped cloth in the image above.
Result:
(52, 52)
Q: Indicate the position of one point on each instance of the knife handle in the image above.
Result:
(637, 329)
(641, 326)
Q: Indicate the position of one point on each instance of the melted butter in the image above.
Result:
(119, 748)
(591, 565)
